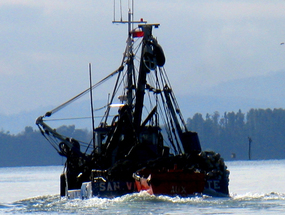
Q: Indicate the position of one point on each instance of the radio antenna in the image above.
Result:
(130, 19)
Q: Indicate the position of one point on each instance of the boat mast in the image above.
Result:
(130, 62)
(129, 51)
(143, 70)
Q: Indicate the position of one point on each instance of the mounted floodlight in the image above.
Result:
(117, 105)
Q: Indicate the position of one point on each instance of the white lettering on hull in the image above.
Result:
(116, 186)
(214, 184)
(178, 189)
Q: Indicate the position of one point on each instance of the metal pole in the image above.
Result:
(92, 110)
(249, 148)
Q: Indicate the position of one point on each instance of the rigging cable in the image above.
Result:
(43, 133)
(164, 82)
(163, 73)
(82, 93)
(112, 97)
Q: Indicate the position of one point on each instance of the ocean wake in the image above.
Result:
(142, 203)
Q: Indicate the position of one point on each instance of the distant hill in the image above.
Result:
(28, 148)
(267, 91)
(264, 88)
(209, 104)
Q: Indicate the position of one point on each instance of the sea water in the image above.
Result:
(256, 187)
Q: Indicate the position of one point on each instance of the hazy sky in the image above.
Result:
(46, 45)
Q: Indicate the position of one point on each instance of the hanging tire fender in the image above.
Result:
(159, 55)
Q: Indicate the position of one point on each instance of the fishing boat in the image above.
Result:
(146, 145)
